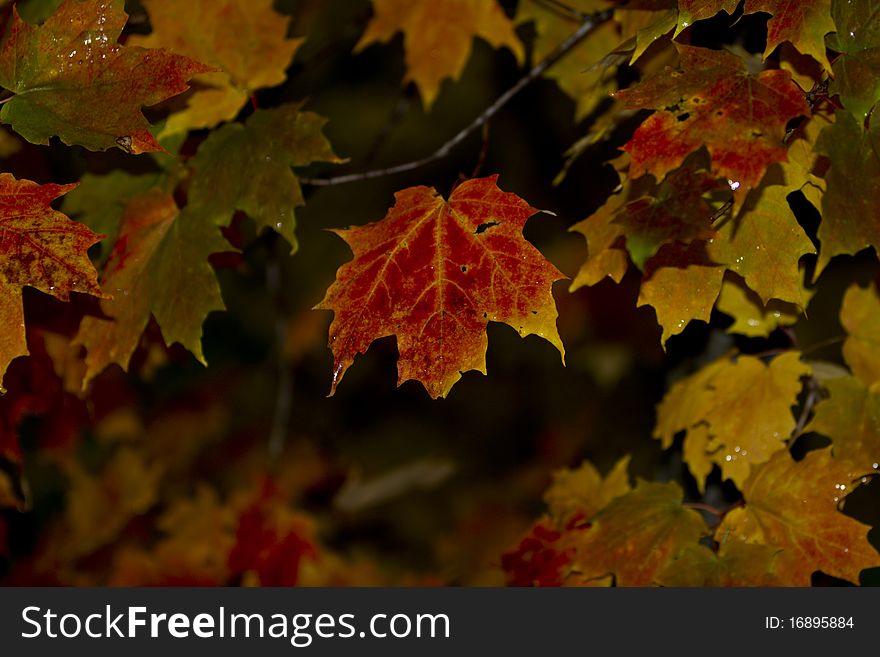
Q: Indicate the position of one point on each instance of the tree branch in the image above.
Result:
(587, 26)
(563, 9)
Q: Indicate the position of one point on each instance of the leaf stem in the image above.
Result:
(816, 346)
(806, 411)
(702, 506)
(589, 23)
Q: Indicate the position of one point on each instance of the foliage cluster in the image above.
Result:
(161, 356)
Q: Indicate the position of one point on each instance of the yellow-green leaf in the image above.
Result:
(635, 537)
(793, 506)
(860, 316)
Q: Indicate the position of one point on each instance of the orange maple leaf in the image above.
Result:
(39, 247)
(434, 273)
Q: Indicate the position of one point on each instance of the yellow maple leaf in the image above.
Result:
(438, 36)
(245, 39)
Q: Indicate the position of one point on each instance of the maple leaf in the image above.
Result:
(851, 419)
(752, 317)
(537, 560)
(583, 74)
(858, 314)
(734, 564)
(438, 36)
(583, 491)
(245, 39)
(72, 79)
(850, 217)
(764, 241)
(857, 70)
(763, 394)
(691, 11)
(681, 283)
(435, 273)
(635, 537)
(793, 506)
(763, 245)
(642, 22)
(675, 212)
(803, 24)
(99, 201)
(606, 256)
(713, 101)
(159, 267)
(247, 167)
(40, 248)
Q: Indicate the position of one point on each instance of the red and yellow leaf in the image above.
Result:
(635, 537)
(438, 35)
(712, 100)
(793, 506)
(675, 212)
(691, 11)
(41, 248)
(803, 24)
(159, 267)
(72, 79)
(435, 273)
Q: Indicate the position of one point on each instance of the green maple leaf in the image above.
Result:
(850, 214)
(247, 167)
(72, 79)
(159, 267)
(857, 70)
(635, 537)
(850, 417)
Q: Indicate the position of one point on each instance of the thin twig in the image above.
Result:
(563, 9)
(708, 508)
(822, 344)
(585, 28)
(806, 411)
(484, 152)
